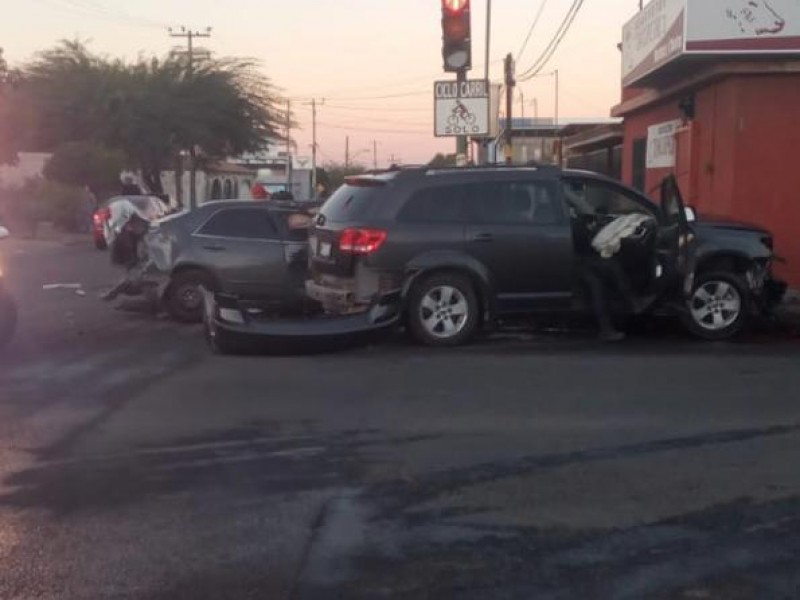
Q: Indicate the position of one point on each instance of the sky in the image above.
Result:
(370, 64)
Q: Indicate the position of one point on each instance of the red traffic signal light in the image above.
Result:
(455, 5)
(456, 36)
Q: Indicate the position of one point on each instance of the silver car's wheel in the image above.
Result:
(718, 306)
(715, 305)
(443, 312)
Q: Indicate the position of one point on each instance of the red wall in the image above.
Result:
(739, 156)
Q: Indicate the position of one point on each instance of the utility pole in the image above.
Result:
(189, 35)
(288, 145)
(488, 38)
(375, 154)
(346, 154)
(557, 96)
(510, 83)
(521, 104)
(314, 145)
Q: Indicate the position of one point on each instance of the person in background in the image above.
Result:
(87, 208)
(283, 195)
(259, 192)
(322, 192)
(130, 187)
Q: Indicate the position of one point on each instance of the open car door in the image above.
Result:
(676, 245)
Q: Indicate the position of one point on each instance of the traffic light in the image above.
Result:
(456, 36)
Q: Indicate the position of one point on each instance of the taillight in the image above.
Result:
(102, 215)
(361, 241)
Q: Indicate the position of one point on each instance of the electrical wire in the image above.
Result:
(91, 9)
(383, 97)
(555, 42)
(379, 109)
(532, 27)
(402, 82)
(348, 127)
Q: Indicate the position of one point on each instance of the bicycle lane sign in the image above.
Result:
(461, 108)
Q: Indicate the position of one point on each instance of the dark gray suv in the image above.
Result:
(458, 249)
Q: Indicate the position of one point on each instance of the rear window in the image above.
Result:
(351, 202)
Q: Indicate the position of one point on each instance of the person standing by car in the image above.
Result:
(321, 192)
(130, 187)
(86, 210)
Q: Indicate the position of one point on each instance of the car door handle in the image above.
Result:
(214, 248)
(483, 237)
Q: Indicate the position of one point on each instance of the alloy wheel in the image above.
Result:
(444, 311)
(715, 305)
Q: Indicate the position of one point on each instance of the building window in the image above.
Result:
(228, 189)
(216, 190)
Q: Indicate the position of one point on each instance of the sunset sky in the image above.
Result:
(373, 61)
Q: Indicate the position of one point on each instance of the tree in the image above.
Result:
(335, 173)
(8, 81)
(151, 109)
(86, 163)
(443, 160)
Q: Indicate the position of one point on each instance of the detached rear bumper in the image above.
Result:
(230, 325)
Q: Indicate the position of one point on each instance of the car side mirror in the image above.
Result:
(4, 233)
(691, 215)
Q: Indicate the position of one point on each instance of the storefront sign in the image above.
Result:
(743, 26)
(665, 30)
(661, 145)
(652, 38)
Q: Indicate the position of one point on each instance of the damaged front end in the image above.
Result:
(146, 254)
(232, 325)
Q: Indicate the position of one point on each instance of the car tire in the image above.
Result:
(184, 299)
(718, 307)
(443, 310)
(8, 319)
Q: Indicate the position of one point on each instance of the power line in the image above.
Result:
(379, 109)
(91, 9)
(401, 82)
(555, 42)
(380, 119)
(347, 127)
(532, 27)
(383, 97)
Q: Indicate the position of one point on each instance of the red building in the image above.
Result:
(717, 102)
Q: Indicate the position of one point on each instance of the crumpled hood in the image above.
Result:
(732, 224)
(162, 248)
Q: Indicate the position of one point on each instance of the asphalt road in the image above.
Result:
(133, 464)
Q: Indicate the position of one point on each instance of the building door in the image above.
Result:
(639, 163)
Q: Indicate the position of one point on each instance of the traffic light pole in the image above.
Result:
(461, 140)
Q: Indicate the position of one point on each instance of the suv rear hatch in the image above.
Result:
(342, 232)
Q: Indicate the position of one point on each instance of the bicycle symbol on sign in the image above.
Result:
(461, 113)
(462, 121)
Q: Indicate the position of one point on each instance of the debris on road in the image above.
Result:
(62, 286)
